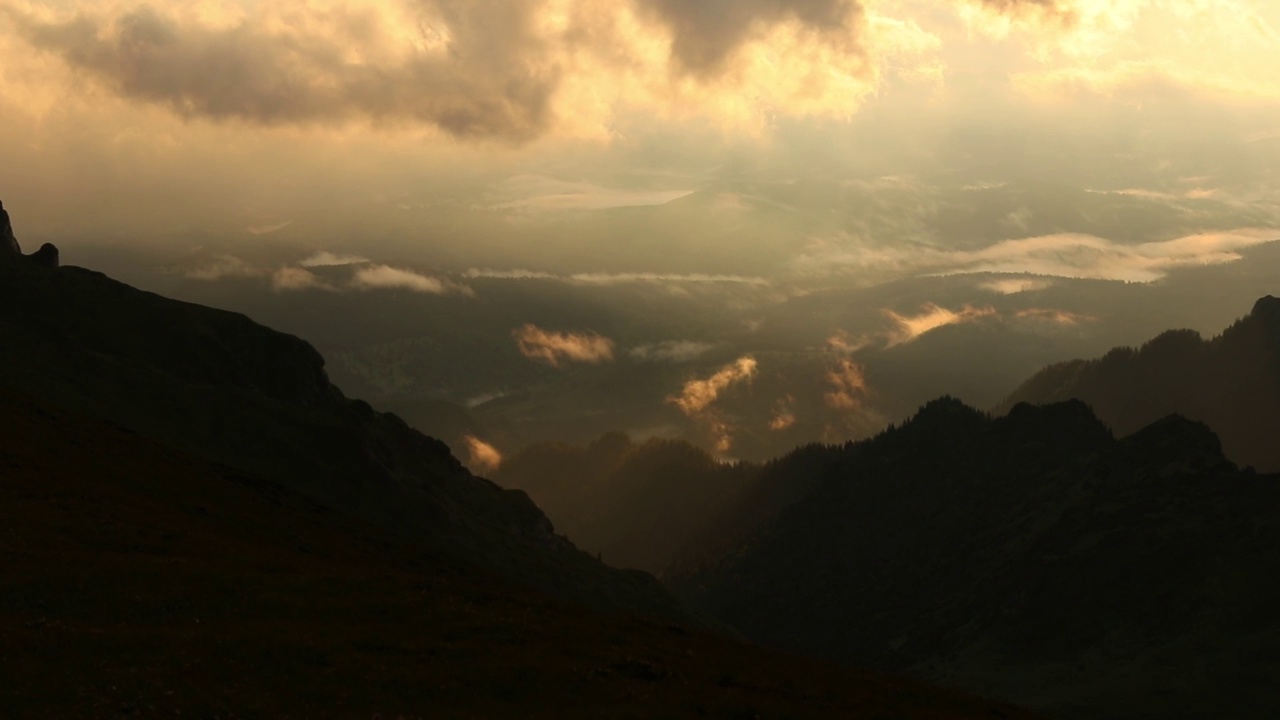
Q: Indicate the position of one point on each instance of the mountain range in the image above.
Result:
(1230, 382)
(1033, 557)
(196, 521)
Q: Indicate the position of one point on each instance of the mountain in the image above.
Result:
(658, 504)
(234, 393)
(1231, 383)
(1032, 557)
(140, 580)
(635, 505)
(194, 521)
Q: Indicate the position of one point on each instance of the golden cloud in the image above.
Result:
(848, 386)
(384, 277)
(698, 394)
(1054, 316)
(932, 317)
(784, 415)
(483, 456)
(554, 348)
(296, 278)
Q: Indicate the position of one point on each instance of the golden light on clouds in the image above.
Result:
(483, 456)
(848, 386)
(931, 317)
(700, 393)
(555, 348)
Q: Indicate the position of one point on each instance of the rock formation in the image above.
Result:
(46, 256)
(7, 239)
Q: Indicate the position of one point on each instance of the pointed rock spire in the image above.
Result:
(8, 243)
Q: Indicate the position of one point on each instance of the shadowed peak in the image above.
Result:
(7, 240)
(1179, 440)
(1267, 308)
(46, 256)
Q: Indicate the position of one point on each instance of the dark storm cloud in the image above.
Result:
(482, 85)
(707, 32)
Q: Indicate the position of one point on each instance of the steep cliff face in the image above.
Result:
(243, 396)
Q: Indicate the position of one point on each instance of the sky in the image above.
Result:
(736, 156)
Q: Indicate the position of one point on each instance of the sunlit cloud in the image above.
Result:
(483, 456)
(1014, 286)
(931, 317)
(695, 278)
(698, 394)
(848, 386)
(384, 277)
(223, 267)
(1054, 316)
(1068, 255)
(535, 192)
(554, 348)
(324, 258)
(295, 278)
(672, 351)
(842, 343)
(784, 414)
(604, 279)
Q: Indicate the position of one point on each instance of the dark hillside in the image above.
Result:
(140, 581)
(1231, 383)
(1031, 557)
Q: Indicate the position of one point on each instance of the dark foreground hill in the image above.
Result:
(194, 522)
(140, 581)
(1231, 383)
(1032, 557)
(233, 393)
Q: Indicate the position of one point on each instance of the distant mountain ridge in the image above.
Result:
(1231, 383)
(1031, 557)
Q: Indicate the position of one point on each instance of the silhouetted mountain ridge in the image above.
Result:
(240, 395)
(1231, 382)
(1031, 556)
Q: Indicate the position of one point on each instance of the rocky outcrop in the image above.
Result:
(8, 243)
(46, 256)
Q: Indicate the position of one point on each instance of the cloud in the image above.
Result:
(696, 278)
(324, 258)
(784, 415)
(609, 279)
(707, 33)
(556, 347)
(931, 317)
(483, 456)
(518, 274)
(1067, 255)
(1054, 316)
(296, 278)
(672, 351)
(384, 277)
(303, 63)
(842, 343)
(537, 192)
(509, 71)
(848, 386)
(267, 229)
(223, 267)
(1013, 286)
(698, 394)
